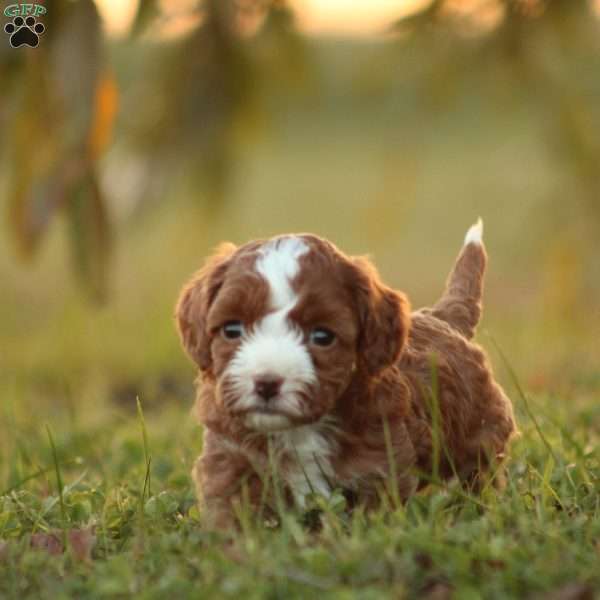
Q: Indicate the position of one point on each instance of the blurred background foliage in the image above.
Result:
(125, 158)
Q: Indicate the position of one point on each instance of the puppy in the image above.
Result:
(311, 366)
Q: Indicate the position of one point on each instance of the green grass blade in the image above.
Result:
(59, 483)
(524, 399)
(147, 457)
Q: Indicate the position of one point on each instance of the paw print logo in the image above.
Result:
(24, 32)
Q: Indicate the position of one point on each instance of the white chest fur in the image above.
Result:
(311, 470)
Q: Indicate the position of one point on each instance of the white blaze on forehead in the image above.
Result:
(275, 345)
(278, 264)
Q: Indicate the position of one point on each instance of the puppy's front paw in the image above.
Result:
(221, 519)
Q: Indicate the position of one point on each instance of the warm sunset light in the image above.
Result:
(117, 15)
(318, 17)
(348, 17)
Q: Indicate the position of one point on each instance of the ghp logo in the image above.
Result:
(25, 29)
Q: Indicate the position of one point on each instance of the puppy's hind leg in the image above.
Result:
(488, 451)
(487, 473)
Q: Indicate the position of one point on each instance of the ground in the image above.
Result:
(132, 534)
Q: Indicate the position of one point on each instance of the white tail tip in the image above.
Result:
(475, 233)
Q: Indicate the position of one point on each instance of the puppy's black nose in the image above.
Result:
(268, 386)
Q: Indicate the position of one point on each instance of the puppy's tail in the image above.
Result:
(460, 305)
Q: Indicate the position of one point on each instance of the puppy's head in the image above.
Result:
(280, 327)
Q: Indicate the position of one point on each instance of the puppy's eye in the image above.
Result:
(321, 336)
(233, 330)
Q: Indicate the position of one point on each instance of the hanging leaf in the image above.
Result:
(420, 19)
(34, 201)
(147, 11)
(76, 70)
(90, 236)
(63, 124)
(103, 117)
(34, 160)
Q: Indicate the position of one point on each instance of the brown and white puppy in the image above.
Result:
(309, 362)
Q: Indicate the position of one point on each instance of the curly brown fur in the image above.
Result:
(358, 413)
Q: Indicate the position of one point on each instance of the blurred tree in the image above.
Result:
(207, 89)
(59, 107)
(201, 89)
(546, 45)
(186, 107)
(191, 98)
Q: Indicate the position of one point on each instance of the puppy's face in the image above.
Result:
(280, 328)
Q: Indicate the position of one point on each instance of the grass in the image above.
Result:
(91, 479)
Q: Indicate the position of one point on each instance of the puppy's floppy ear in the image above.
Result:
(195, 301)
(384, 317)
